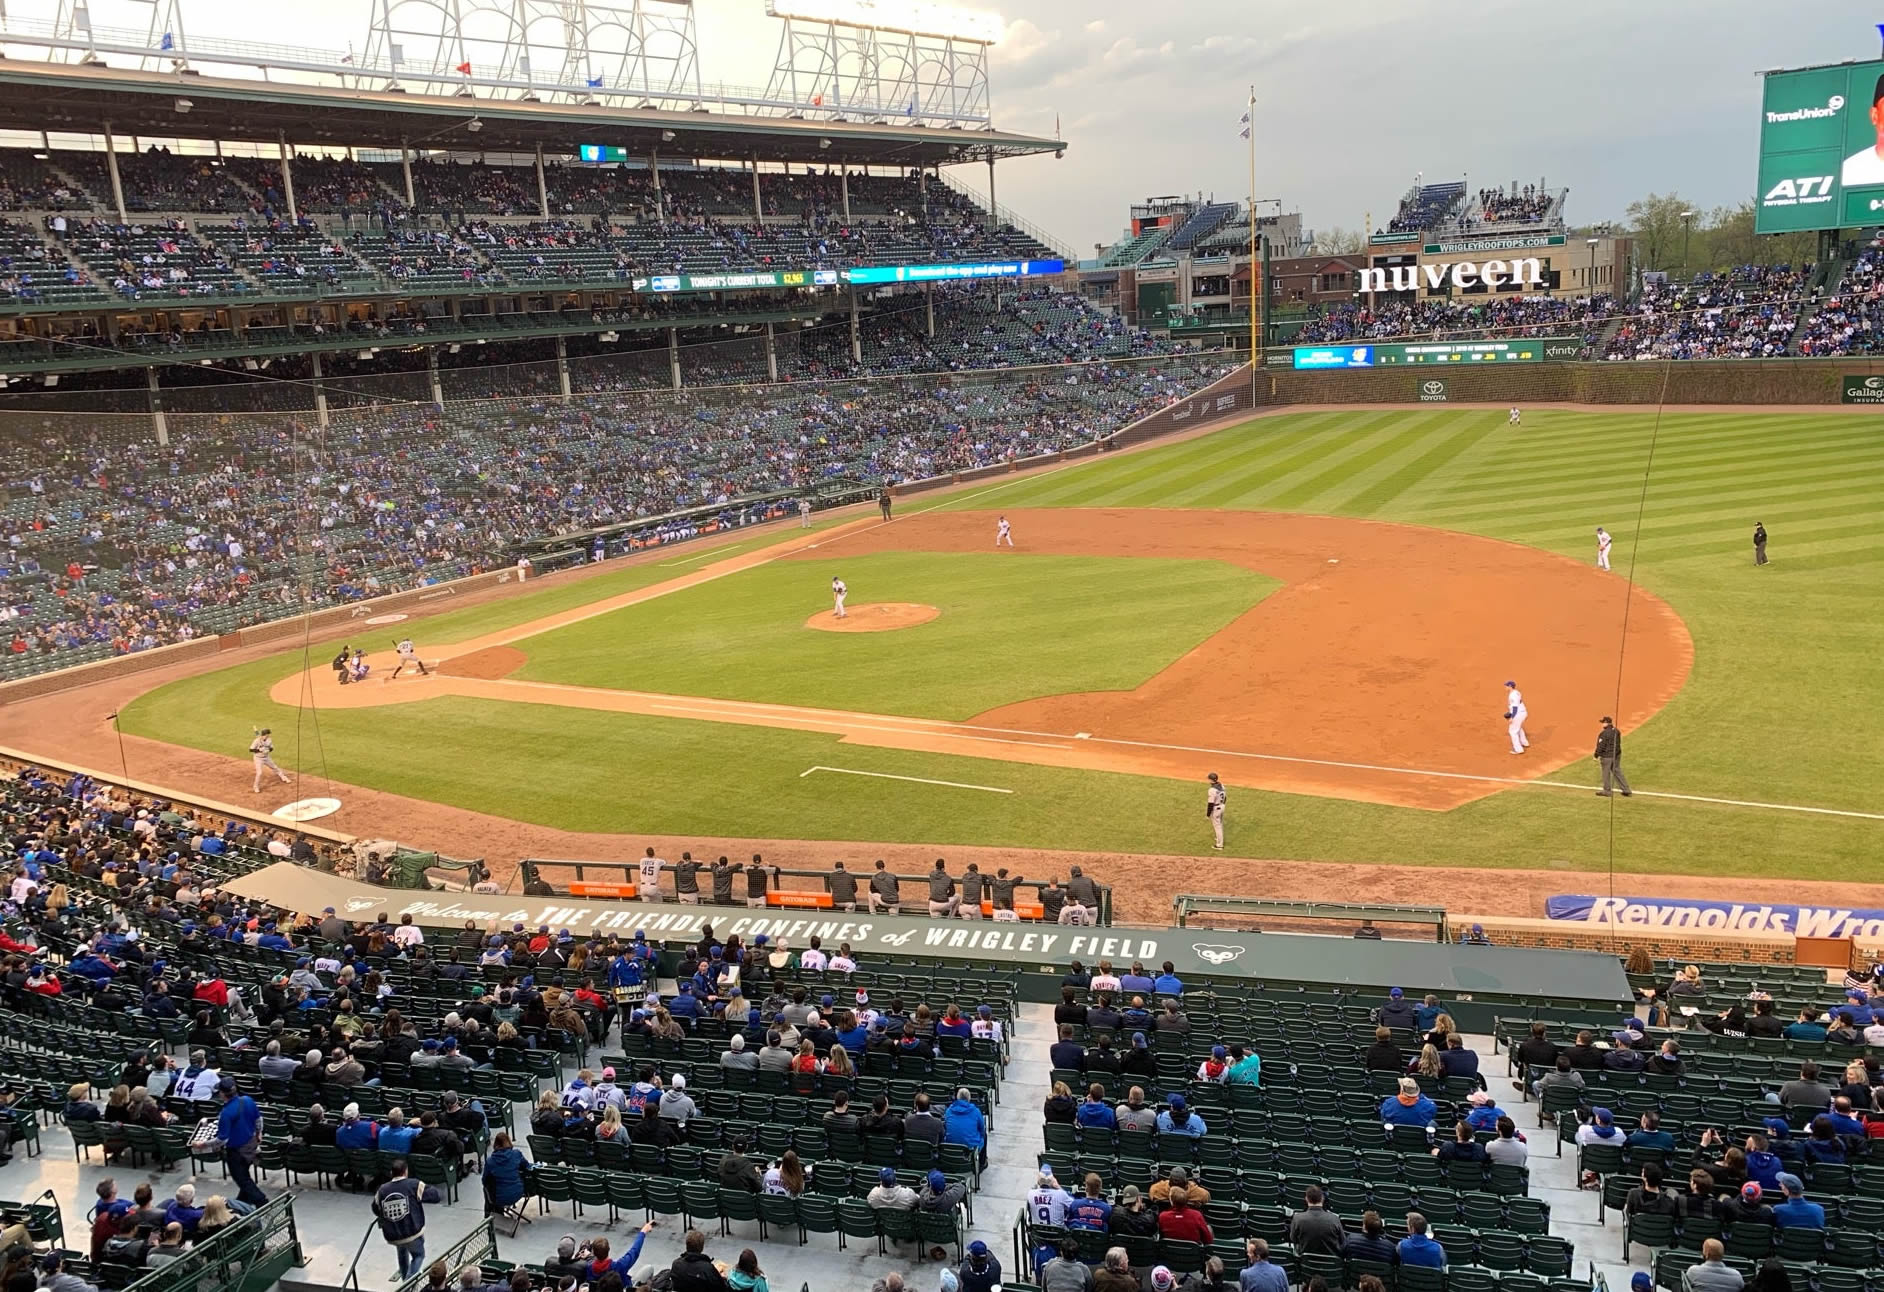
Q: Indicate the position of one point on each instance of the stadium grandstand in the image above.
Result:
(286, 359)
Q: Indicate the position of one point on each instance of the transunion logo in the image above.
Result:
(1833, 106)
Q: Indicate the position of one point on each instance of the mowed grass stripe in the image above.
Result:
(1428, 465)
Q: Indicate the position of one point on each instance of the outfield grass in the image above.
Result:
(1012, 627)
(1781, 706)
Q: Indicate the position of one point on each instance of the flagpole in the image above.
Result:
(1255, 267)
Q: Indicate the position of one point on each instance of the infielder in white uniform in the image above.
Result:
(262, 750)
(838, 593)
(648, 881)
(1515, 714)
(1001, 534)
(1214, 800)
(1602, 548)
(409, 654)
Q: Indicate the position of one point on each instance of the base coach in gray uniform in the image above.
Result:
(1001, 889)
(973, 883)
(1080, 887)
(943, 900)
(723, 872)
(1609, 758)
(687, 880)
(886, 893)
(843, 888)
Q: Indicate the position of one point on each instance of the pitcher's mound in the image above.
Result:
(490, 663)
(882, 617)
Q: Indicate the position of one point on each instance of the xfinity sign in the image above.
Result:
(1528, 272)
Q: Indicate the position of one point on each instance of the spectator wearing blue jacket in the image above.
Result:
(1094, 1111)
(1418, 1248)
(963, 1123)
(1795, 1212)
(1409, 1107)
(623, 971)
(1168, 983)
(503, 1175)
(355, 1131)
(1456, 1060)
(1485, 1112)
(1178, 1119)
(684, 1005)
(239, 1129)
(1651, 1134)
(395, 1136)
(184, 1211)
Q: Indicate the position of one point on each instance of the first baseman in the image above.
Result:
(409, 654)
(838, 593)
(1515, 714)
(1603, 541)
(1002, 533)
(262, 749)
(1214, 800)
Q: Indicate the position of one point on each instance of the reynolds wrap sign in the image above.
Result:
(1721, 917)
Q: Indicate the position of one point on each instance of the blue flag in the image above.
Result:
(595, 82)
(168, 42)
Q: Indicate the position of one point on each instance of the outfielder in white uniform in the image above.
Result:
(409, 654)
(838, 593)
(1516, 416)
(1214, 801)
(262, 750)
(1001, 534)
(1602, 548)
(1515, 714)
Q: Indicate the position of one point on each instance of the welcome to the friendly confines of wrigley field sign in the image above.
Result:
(296, 888)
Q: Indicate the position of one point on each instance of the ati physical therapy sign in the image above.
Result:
(1528, 272)
(1721, 917)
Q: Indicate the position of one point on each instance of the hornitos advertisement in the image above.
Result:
(1821, 148)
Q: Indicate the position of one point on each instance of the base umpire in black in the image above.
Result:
(1609, 758)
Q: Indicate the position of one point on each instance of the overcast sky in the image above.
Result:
(1613, 98)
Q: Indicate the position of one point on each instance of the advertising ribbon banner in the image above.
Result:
(1649, 913)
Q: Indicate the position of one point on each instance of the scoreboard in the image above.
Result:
(1527, 350)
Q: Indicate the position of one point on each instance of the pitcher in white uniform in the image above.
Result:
(838, 593)
(1602, 548)
(1515, 714)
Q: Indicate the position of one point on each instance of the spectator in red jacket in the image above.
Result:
(1184, 1222)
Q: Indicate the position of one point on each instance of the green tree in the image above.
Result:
(1660, 230)
(1340, 242)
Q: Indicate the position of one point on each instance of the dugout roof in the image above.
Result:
(1460, 972)
(76, 98)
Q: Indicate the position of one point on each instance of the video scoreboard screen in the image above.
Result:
(1530, 350)
(1821, 148)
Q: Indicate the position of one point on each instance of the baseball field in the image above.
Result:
(1323, 607)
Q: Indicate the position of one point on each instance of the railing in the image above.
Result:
(247, 1256)
(1007, 216)
(616, 879)
(473, 1249)
(1186, 905)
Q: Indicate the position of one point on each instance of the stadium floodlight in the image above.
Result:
(183, 106)
(474, 125)
(823, 144)
(920, 17)
(667, 136)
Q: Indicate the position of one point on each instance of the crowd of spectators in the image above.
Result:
(1851, 319)
(1426, 206)
(117, 544)
(1460, 320)
(1525, 205)
(1749, 312)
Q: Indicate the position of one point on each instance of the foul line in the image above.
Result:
(920, 780)
(793, 717)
